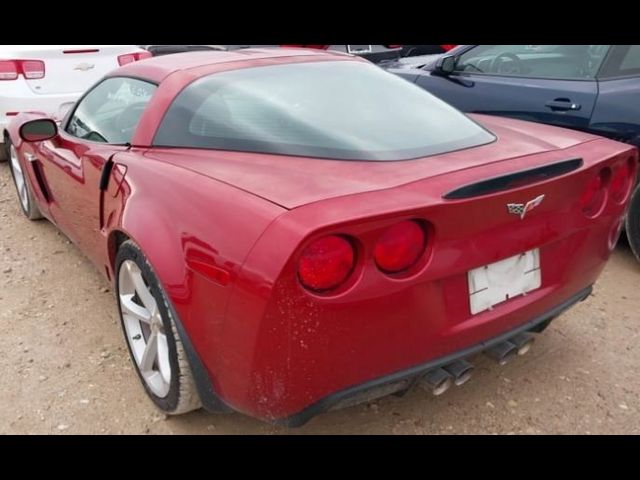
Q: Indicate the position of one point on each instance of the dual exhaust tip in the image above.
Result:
(506, 351)
(439, 380)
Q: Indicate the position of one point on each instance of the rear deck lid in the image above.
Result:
(292, 181)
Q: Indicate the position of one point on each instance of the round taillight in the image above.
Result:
(399, 247)
(621, 180)
(594, 196)
(326, 263)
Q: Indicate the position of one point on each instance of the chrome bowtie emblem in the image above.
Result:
(85, 67)
(522, 209)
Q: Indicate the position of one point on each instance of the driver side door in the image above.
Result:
(101, 125)
(554, 84)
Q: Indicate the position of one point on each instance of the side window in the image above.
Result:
(631, 60)
(572, 62)
(111, 111)
(624, 61)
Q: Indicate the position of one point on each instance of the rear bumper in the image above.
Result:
(397, 382)
(406, 379)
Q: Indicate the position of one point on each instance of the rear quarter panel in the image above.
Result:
(196, 233)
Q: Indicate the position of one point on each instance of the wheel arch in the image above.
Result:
(118, 236)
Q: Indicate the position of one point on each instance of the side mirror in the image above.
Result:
(38, 130)
(446, 64)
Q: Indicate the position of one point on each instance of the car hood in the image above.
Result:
(295, 181)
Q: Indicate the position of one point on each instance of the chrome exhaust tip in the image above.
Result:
(523, 342)
(460, 370)
(436, 381)
(502, 353)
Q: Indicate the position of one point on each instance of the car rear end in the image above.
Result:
(46, 78)
(384, 288)
(410, 237)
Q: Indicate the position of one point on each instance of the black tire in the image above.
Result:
(31, 210)
(182, 396)
(633, 223)
(4, 152)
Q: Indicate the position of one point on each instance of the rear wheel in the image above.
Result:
(151, 334)
(633, 223)
(21, 181)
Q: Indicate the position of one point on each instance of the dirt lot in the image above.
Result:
(65, 368)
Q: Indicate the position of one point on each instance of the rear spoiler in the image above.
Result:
(513, 180)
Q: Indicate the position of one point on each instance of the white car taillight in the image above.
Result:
(133, 57)
(8, 70)
(33, 69)
(30, 69)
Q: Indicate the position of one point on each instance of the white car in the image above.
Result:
(50, 78)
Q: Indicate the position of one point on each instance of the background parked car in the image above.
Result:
(45, 77)
(159, 50)
(373, 53)
(594, 88)
(412, 50)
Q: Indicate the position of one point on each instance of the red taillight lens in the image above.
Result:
(133, 57)
(30, 69)
(400, 247)
(33, 69)
(595, 194)
(622, 180)
(126, 59)
(8, 70)
(446, 48)
(326, 263)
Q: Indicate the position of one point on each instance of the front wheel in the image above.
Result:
(153, 340)
(633, 223)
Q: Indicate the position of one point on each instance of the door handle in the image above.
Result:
(563, 105)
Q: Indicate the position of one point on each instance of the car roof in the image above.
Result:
(206, 62)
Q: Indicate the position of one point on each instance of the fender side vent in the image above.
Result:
(42, 185)
(514, 180)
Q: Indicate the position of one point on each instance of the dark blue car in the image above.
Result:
(595, 88)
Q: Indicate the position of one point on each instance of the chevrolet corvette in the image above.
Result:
(292, 231)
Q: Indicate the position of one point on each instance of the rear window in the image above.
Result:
(339, 110)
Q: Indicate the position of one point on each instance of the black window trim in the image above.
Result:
(67, 120)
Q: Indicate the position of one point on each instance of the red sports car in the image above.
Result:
(291, 231)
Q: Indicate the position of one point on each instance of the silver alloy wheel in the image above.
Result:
(144, 329)
(21, 182)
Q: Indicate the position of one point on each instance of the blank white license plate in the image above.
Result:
(503, 280)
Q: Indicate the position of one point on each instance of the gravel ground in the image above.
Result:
(66, 369)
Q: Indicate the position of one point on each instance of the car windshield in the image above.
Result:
(334, 109)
